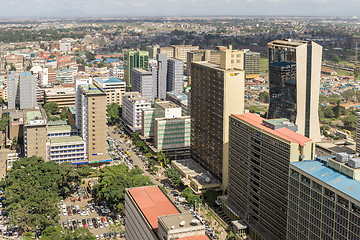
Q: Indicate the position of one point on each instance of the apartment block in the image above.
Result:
(66, 149)
(357, 136)
(208, 55)
(324, 199)
(294, 84)
(168, 51)
(35, 133)
(91, 120)
(162, 71)
(215, 94)
(151, 215)
(260, 153)
(133, 104)
(113, 87)
(12, 84)
(175, 75)
(252, 64)
(181, 99)
(180, 51)
(145, 82)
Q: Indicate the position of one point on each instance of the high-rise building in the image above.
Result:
(145, 82)
(90, 103)
(169, 51)
(212, 56)
(357, 136)
(134, 59)
(12, 84)
(151, 215)
(175, 72)
(27, 84)
(294, 83)
(35, 133)
(133, 104)
(216, 93)
(252, 64)
(324, 199)
(152, 51)
(161, 75)
(260, 152)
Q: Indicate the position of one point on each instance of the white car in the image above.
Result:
(64, 212)
(106, 224)
(101, 225)
(97, 237)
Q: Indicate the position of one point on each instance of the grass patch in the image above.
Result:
(264, 65)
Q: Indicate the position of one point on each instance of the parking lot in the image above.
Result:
(94, 216)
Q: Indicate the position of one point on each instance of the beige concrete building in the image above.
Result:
(180, 51)
(91, 120)
(294, 83)
(212, 56)
(169, 51)
(215, 94)
(64, 97)
(113, 87)
(15, 60)
(35, 133)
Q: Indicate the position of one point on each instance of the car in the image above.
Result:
(83, 221)
(98, 219)
(97, 237)
(74, 212)
(93, 219)
(84, 213)
(91, 225)
(89, 220)
(86, 226)
(74, 222)
(101, 225)
(96, 225)
(64, 224)
(69, 213)
(79, 221)
(92, 209)
(106, 224)
(64, 213)
(71, 228)
(72, 207)
(101, 236)
(106, 235)
(103, 219)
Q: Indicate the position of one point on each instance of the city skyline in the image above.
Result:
(96, 8)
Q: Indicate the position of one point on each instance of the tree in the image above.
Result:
(174, 176)
(323, 99)
(4, 122)
(113, 112)
(348, 95)
(328, 113)
(63, 115)
(264, 97)
(337, 109)
(28, 68)
(12, 67)
(51, 108)
(155, 169)
(230, 236)
(211, 195)
(349, 122)
(335, 58)
(90, 56)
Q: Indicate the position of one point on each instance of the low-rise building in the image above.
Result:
(66, 149)
(64, 97)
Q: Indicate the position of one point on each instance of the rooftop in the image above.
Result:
(25, 74)
(72, 109)
(60, 128)
(287, 43)
(33, 115)
(59, 91)
(284, 133)
(198, 237)
(216, 66)
(173, 221)
(153, 203)
(57, 123)
(167, 104)
(108, 80)
(92, 89)
(143, 71)
(66, 139)
(331, 177)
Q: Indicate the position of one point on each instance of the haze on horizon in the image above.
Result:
(126, 8)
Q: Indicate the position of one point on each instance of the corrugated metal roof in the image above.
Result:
(153, 203)
(331, 177)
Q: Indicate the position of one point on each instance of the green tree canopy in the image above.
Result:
(33, 189)
(349, 122)
(113, 112)
(174, 176)
(211, 195)
(264, 97)
(51, 108)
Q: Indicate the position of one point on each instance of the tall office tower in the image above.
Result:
(134, 59)
(324, 199)
(216, 93)
(35, 133)
(12, 90)
(201, 55)
(175, 72)
(260, 152)
(27, 84)
(113, 87)
(294, 77)
(252, 64)
(145, 82)
(90, 103)
(161, 75)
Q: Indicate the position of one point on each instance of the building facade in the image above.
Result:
(90, 106)
(133, 104)
(145, 82)
(113, 87)
(294, 84)
(27, 84)
(252, 64)
(323, 202)
(161, 75)
(64, 97)
(35, 133)
(260, 152)
(175, 72)
(134, 59)
(215, 94)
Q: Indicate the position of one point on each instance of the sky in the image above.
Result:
(125, 8)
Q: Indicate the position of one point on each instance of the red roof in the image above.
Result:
(199, 237)
(153, 203)
(283, 133)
